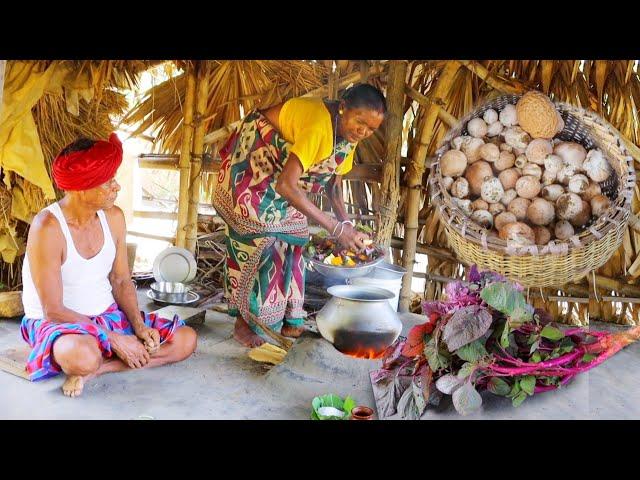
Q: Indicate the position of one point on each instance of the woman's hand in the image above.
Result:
(350, 238)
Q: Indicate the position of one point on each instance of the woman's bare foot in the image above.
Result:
(73, 385)
(243, 334)
(293, 332)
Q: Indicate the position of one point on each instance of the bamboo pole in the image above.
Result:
(485, 75)
(415, 171)
(196, 157)
(425, 101)
(390, 188)
(184, 165)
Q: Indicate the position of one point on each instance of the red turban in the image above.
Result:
(86, 169)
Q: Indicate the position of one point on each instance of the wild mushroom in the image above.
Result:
(540, 212)
(591, 191)
(496, 208)
(578, 183)
(537, 150)
(463, 205)
(596, 166)
(553, 163)
(508, 116)
(457, 142)
(516, 137)
(518, 206)
(599, 205)
(517, 233)
(505, 160)
(528, 186)
(476, 173)
(508, 178)
(494, 129)
(447, 182)
(505, 147)
(552, 192)
(491, 190)
(482, 218)
(503, 218)
(542, 234)
(479, 204)
(489, 152)
(533, 170)
(453, 163)
(460, 188)
(490, 116)
(563, 230)
(572, 153)
(477, 127)
(508, 197)
(471, 149)
(583, 217)
(548, 177)
(521, 161)
(568, 206)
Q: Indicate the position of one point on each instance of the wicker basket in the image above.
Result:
(559, 262)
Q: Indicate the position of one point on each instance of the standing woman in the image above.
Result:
(272, 161)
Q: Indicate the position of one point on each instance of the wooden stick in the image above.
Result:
(390, 188)
(415, 171)
(485, 75)
(184, 165)
(425, 101)
(196, 156)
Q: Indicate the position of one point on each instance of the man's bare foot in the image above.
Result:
(73, 385)
(243, 334)
(293, 332)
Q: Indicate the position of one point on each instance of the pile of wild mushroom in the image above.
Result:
(511, 175)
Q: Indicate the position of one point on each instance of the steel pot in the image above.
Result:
(170, 292)
(358, 320)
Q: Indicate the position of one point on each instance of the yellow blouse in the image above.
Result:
(306, 123)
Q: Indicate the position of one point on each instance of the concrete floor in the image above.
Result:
(220, 382)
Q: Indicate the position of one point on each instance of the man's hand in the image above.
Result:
(150, 337)
(129, 349)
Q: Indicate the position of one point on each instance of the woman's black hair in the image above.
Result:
(81, 144)
(363, 95)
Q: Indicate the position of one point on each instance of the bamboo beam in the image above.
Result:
(354, 77)
(390, 188)
(441, 253)
(415, 172)
(425, 101)
(184, 165)
(152, 236)
(366, 172)
(160, 215)
(196, 157)
(607, 283)
(485, 75)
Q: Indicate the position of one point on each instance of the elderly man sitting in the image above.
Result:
(81, 309)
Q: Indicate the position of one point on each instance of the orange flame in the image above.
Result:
(367, 353)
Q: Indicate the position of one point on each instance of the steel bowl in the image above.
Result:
(341, 272)
(170, 292)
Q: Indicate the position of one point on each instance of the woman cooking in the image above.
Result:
(272, 161)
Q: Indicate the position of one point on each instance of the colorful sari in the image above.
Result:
(265, 270)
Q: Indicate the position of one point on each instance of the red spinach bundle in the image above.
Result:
(486, 336)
